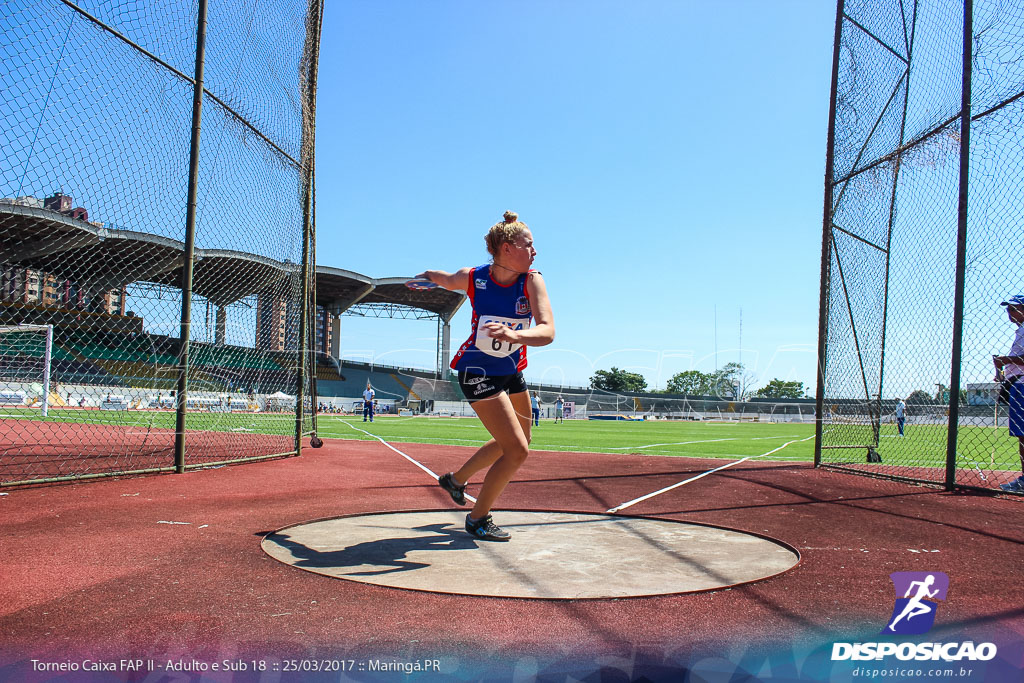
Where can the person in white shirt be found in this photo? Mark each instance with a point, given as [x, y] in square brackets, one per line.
[1009, 371]
[368, 403]
[901, 415]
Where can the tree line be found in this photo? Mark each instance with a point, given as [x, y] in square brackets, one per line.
[731, 380]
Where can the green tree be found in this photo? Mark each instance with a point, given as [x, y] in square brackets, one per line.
[618, 380]
[778, 388]
[728, 380]
[920, 397]
[693, 382]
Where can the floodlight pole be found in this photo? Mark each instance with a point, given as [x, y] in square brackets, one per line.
[826, 240]
[190, 241]
[961, 248]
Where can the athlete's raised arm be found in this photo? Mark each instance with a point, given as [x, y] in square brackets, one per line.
[455, 281]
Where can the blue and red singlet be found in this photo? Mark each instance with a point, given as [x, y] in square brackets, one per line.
[493, 302]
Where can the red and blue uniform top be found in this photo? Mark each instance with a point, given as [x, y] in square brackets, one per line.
[494, 302]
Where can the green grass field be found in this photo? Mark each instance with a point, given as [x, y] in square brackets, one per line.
[923, 446]
[693, 439]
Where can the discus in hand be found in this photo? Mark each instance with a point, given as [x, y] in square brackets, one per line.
[420, 284]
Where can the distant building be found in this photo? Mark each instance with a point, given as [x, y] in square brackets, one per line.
[33, 202]
[324, 330]
[31, 287]
[62, 203]
[982, 393]
[58, 202]
[276, 323]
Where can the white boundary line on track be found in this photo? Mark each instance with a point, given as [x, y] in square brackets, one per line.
[699, 476]
[414, 462]
[674, 443]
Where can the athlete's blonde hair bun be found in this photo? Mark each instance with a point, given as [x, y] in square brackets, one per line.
[504, 231]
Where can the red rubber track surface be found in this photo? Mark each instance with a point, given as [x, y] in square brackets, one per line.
[95, 569]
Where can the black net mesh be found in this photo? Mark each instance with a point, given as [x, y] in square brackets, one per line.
[94, 176]
[892, 269]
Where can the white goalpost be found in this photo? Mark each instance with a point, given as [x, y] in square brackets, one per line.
[20, 345]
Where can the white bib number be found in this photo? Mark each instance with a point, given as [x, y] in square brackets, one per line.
[497, 347]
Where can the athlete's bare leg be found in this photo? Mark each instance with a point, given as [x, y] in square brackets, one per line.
[507, 418]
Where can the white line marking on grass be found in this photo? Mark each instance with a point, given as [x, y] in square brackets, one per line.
[459, 421]
[426, 469]
[676, 443]
[699, 476]
[446, 439]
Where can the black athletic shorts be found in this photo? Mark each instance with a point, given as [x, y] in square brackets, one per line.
[478, 387]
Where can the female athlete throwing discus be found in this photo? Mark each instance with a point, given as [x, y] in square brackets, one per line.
[506, 295]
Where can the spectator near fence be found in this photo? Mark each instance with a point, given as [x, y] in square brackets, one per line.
[1009, 370]
[901, 415]
[368, 403]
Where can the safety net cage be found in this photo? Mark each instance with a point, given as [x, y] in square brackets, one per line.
[922, 248]
[156, 237]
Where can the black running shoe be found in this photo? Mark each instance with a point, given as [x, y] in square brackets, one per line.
[458, 493]
[486, 530]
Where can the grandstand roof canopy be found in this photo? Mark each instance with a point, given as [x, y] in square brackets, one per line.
[337, 290]
[105, 258]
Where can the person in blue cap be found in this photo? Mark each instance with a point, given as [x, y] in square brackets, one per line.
[1009, 371]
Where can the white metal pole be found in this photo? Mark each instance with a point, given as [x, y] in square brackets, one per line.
[46, 369]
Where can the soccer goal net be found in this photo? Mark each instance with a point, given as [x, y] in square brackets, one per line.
[25, 358]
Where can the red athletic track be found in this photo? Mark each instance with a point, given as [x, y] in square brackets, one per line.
[88, 569]
[33, 450]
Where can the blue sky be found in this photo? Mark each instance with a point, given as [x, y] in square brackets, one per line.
[667, 155]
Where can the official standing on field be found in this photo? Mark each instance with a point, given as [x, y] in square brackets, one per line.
[1010, 371]
[901, 415]
[368, 403]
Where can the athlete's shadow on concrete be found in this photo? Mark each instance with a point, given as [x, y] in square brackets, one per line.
[388, 553]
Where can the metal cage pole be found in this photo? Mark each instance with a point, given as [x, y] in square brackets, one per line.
[826, 241]
[307, 357]
[314, 439]
[190, 241]
[304, 350]
[892, 218]
[961, 248]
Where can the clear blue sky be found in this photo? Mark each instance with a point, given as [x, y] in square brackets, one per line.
[668, 156]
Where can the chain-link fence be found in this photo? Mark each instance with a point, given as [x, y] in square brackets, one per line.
[156, 217]
[922, 240]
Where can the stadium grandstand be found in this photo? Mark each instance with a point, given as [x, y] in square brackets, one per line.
[98, 352]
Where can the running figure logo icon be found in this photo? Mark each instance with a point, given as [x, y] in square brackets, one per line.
[917, 594]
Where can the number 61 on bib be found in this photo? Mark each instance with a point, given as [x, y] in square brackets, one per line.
[497, 347]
